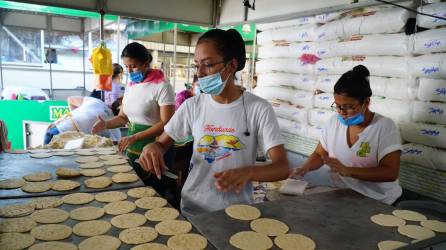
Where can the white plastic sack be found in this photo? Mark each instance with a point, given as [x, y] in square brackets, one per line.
[323, 100]
[426, 134]
[432, 89]
[389, 66]
[431, 112]
[399, 111]
[304, 82]
[314, 132]
[328, 17]
[275, 93]
[436, 9]
[376, 45]
[292, 50]
[319, 117]
[290, 112]
[395, 88]
[303, 99]
[283, 65]
[328, 49]
[388, 21]
[425, 156]
[429, 66]
[292, 127]
[326, 83]
[304, 33]
[429, 41]
[285, 24]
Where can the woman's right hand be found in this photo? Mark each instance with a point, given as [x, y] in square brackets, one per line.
[99, 125]
[152, 159]
[299, 171]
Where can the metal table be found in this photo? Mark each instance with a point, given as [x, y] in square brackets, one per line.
[334, 220]
[18, 165]
[112, 232]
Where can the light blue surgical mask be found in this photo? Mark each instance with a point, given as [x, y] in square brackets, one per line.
[212, 84]
[136, 77]
[197, 90]
[352, 121]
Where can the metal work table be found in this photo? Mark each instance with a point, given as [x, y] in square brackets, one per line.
[338, 219]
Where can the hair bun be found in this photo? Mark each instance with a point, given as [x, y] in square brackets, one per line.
[361, 70]
[237, 46]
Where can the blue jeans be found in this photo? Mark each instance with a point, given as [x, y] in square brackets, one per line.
[50, 132]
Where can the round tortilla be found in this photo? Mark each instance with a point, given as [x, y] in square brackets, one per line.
[187, 242]
[78, 198]
[92, 172]
[161, 214]
[15, 241]
[90, 165]
[50, 215]
[87, 213]
[138, 235]
[100, 242]
[65, 185]
[41, 176]
[173, 227]
[434, 225]
[98, 182]
[151, 202]
[120, 169]
[17, 210]
[294, 241]
[53, 245]
[11, 183]
[416, 232]
[390, 245]
[67, 172]
[46, 202]
[91, 228]
[124, 178]
[128, 220]
[269, 227]
[249, 240]
[110, 196]
[243, 212]
[387, 220]
[51, 232]
[86, 159]
[17, 225]
[119, 207]
[409, 215]
[36, 187]
[141, 192]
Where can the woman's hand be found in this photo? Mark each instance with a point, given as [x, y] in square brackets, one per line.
[299, 171]
[152, 159]
[336, 166]
[99, 125]
[125, 142]
[233, 179]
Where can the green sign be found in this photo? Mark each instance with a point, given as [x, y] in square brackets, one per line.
[57, 112]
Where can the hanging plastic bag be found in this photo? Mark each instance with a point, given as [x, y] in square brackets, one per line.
[101, 60]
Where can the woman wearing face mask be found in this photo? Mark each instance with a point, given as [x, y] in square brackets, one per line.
[226, 124]
[358, 149]
[148, 104]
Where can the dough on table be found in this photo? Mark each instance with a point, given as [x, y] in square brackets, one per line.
[120, 169]
[161, 214]
[37, 187]
[150, 202]
[124, 178]
[387, 220]
[416, 232]
[11, 183]
[138, 235]
[53, 245]
[269, 227]
[173, 227]
[390, 245]
[87, 213]
[65, 185]
[91, 228]
[17, 225]
[51, 232]
[434, 225]
[15, 241]
[50, 215]
[41, 176]
[67, 172]
[46, 202]
[78, 198]
[187, 242]
[98, 182]
[100, 242]
[110, 196]
[17, 210]
[243, 212]
[249, 240]
[128, 220]
[119, 207]
[141, 192]
[92, 172]
[409, 215]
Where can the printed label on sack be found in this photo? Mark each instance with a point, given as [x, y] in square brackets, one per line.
[436, 111]
[440, 91]
[430, 70]
[411, 151]
[432, 44]
[430, 132]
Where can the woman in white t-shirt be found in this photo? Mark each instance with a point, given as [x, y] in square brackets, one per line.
[226, 124]
[358, 149]
[148, 104]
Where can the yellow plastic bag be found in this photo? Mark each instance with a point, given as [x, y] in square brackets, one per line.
[101, 59]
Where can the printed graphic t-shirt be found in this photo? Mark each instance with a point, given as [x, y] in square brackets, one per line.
[220, 144]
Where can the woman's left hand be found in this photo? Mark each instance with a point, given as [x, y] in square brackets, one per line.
[125, 142]
[336, 166]
[233, 179]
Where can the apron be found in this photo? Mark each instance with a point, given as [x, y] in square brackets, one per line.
[134, 150]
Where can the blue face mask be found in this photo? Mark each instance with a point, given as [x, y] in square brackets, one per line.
[212, 84]
[136, 77]
[197, 90]
[352, 121]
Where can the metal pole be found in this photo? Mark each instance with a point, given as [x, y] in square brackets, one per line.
[83, 54]
[188, 60]
[174, 55]
[102, 35]
[1, 59]
[164, 54]
[49, 27]
[253, 58]
[119, 40]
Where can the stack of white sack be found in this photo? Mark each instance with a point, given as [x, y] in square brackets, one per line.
[426, 134]
[429, 66]
[430, 112]
[429, 41]
[319, 117]
[387, 66]
[292, 127]
[275, 93]
[326, 83]
[290, 112]
[289, 50]
[287, 65]
[432, 90]
[397, 110]
[303, 33]
[425, 156]
[303, 82]
[387, 21]
[436, 9]
[314, 132]
[285, 24]
[323, 100]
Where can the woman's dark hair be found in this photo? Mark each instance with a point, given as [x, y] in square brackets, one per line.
[117, 69]
[229, 43]
[354, 83]
[138, 52]
[96, 94]
[116, 105]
